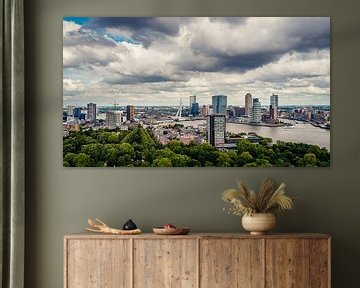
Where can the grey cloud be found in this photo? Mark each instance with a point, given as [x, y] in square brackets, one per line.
[87, 61]
[246, 62]
[136, 79]
[226, 63]
[321, 82]
[72, 93]
[293, 76]
[296, 34]
[308, 32]
[86, 37]
[143, 29]
[229, 20]
[166, 25]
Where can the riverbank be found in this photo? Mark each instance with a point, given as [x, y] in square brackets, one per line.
[282, 124]
[301, 132]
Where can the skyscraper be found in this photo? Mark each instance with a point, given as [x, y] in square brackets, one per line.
[219, 103]
[194, 106]
[274, 103]
[130, 112]
[192, 100]
[77, 112]
[91, 112]
[113, 118]
[194, 109]
[70, 110]
[248, 104]
[216, 126]
[256, 111]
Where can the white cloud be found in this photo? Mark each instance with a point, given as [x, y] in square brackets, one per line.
[73, 85]
[205, 57]
[69, 26]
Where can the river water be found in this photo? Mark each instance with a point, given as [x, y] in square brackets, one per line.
[300, 133]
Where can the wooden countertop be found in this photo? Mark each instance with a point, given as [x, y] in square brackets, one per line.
[87, 235]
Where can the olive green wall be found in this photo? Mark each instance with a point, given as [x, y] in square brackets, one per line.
[59, 200]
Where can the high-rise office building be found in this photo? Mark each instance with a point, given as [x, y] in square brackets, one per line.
[248, 104]
[113, 119]
[271, 113]
[91, 112]
[130, 112]
[194, 106]
[77, 112]
[219, 103]
[256, 111]
[192, 100]
[70, 110]
[216, 127]
[274, 103]
[194, 109]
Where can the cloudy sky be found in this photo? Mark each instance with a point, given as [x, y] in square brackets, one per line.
[157, 61]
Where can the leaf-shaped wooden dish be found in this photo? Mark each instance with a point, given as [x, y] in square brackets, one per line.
[171, 231]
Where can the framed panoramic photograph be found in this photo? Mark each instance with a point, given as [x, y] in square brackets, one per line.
[196, 91]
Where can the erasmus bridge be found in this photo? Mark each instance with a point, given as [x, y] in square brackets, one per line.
[179, 112]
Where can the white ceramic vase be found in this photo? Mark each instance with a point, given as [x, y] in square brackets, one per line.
[259, 223]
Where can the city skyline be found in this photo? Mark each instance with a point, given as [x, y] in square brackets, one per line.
[263, 105]
[157, 61]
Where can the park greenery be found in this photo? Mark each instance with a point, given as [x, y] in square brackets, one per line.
[138, 148]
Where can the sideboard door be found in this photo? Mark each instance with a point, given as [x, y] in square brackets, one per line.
[231, 263]
[320, 263]
[297, 263]
[165, 263]
[287, 263]
[100, 263]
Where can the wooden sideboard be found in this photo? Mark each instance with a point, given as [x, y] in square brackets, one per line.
[197, 260]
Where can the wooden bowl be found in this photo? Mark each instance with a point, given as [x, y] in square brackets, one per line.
[171, 231]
